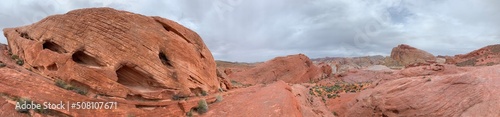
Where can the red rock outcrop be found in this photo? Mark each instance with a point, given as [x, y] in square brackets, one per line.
[291, 69]
[470, 93]
[405, 55]
[141, 62]
[486, 56]
[117, 53]
[273, 100]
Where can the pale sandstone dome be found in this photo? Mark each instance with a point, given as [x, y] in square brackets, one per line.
[117, 53]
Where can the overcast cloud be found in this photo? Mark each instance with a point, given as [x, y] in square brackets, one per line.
[259, 30]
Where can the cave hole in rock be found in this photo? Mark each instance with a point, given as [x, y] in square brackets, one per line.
[52, 67]
[169, 28]
[53, 47]
[81, 57]
[25, 35]
[202, 56]
[136, 80]
[39, 68]
[164, 60]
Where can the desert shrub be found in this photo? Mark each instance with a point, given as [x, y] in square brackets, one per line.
[64, 85]
[204, 93]
[202, 106]
[496, 49]
[190, 113]
[176, 97]
[2, 65]
[470, 62]
[490, 64]
[335, 113]
[80, 91]
[61, 84]
[22, 101]
[332, 95]
[218, 98]
[20, 62]
[14, 57]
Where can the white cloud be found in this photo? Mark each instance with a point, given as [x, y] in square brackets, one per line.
[259, 30]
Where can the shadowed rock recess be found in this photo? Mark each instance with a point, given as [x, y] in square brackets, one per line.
[115, 55]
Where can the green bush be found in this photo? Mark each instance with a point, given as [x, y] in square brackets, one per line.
[204, 93]
[490, 63]
[64, 85]
[470, 62]
[218, 98]
[22, 101]
[189, 114]
[202, 106]
[20, 62]
[14, 57]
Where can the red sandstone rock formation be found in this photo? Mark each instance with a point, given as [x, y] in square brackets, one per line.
[405, 55]
[291, 69]
[486, 56]
[141, 62]
[275, 99]
[471, 93]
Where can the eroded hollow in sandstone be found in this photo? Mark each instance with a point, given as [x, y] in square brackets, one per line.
[81, 57]
[164, 60]
[52, 67]
[135, 79]
[53, 47]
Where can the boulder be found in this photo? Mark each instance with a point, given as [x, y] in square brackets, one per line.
[404, 55]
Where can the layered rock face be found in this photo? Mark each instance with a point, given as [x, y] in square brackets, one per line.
[117, 54]
[405, 55]
[473, 93]
[273, 100]
[291, 69]
[486, 56]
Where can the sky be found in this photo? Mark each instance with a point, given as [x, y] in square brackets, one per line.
[259, 30]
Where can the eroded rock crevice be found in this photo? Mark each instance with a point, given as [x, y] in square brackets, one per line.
[53, 47]
[52, 67]
[24, 35]
[169, 28]
[164, 60]
[136, 80]
[83, 58]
